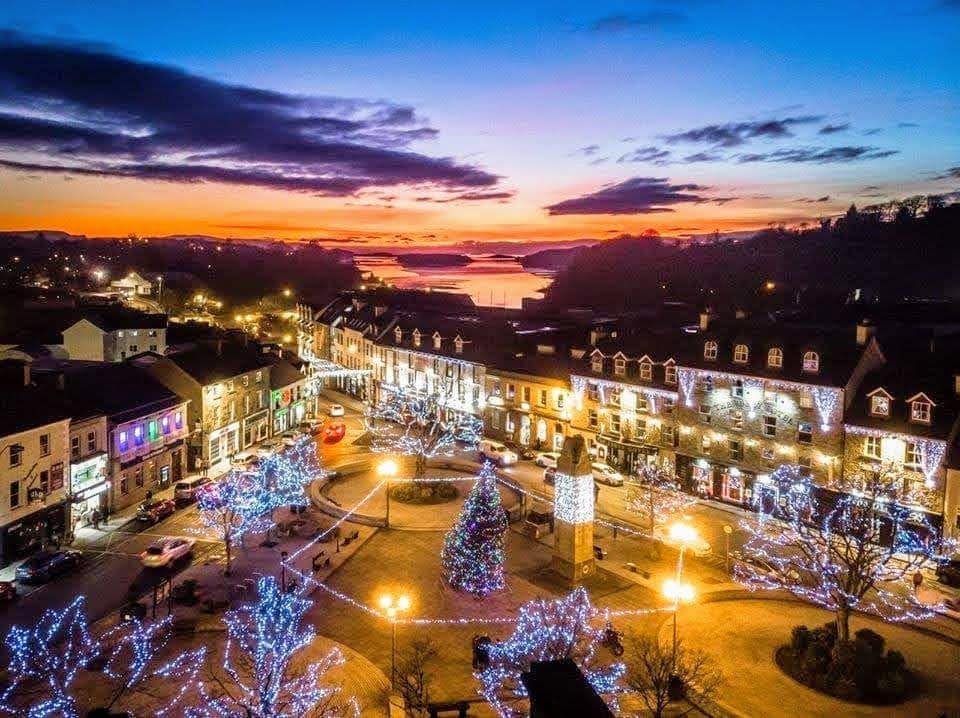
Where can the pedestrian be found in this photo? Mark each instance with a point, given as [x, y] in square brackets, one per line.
[95, 519]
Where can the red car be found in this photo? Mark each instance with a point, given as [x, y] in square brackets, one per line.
[8, 592]
[156, 511]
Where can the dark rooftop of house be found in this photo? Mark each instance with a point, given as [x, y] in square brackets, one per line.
[210, 362]
[46, 326]
[283, 374]
[26, 406]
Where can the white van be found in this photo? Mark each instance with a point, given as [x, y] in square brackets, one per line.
[497, 453]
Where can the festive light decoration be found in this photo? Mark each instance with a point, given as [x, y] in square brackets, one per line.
[286, 475]
[580, 383]
[184, 671]
[238, 504]
[425, 426]
[573, 498]
[472, 554]
[568, 627]
[49, 655]
[326, 369]
[688, 383]
[856, 553]
[266, 636]
[136, 644]
[826, 400]
[656, 495]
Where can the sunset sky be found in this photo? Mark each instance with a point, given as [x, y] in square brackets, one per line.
[415, 124]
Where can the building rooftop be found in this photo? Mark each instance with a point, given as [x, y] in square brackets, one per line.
[209, 363]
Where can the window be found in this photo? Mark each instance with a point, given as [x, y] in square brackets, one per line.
[416, 337]
[619, 366]
[806, 400]
[769, 426]
[736, 449]
[138, 435]
[871, 447]
[258, 377]
[880, 405]
[525, 393]
[596, 364]
[397, 335]
[767, 453]
[437, 341]
[643, 404]
[736, 420]
[44, 444]
[741, 354]
[913, 454]
[495, 419]
[646, 371]
[804, 461]
[811, 362]
[670, 374]
[14, 494]
[736, 388]
[44, 482]
[705, 443]
[542, 399]
[775, 358]
[710, 351]
[511, 391]
[805, 432]
[120, 334]
[245, 380]
[178, 419]
[124, 485]
[641, 432]
[74, 447]
[615, 423]
[593, 392]
[669, 436]
[91, 441]
[592, 419]
[153, 347]
[123, 441]
[615, 397]
[561, 399]
[704, 411]
[920, 411]
[138, 477]
[134, 348]
[458, 345]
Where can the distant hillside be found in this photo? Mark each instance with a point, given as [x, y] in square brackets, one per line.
[889, 252]
[433, 260]
[550, 259]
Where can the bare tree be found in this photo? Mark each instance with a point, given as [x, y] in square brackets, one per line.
[413, 675]
[423, 425]
[653, 671]
[655, 496]
[857, 553]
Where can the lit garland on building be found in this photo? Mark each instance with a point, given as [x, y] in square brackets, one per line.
[857, 554]
[266, 636]
[472, 554]
[651, 394]
[932, 451]
[568, 627]
[50, 654]
[326, 369]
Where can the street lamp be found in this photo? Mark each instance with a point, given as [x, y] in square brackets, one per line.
[678, 592]
[392, 606]
[387, 469]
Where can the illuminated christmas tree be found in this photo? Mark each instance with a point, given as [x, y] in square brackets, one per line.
[472, 554]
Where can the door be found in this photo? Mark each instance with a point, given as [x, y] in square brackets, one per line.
[176, 465]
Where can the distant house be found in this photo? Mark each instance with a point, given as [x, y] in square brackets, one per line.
[133, 285]
[114, 335]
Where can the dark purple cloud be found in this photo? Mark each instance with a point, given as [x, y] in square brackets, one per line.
[639, 195]
[650, 19]
[834, 129]
[646, 154]
[501, 195]
[734, 134]
[818, 155]
[86, 111]
[814, 200]
[951, 173]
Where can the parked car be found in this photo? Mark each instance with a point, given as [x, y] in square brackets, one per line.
[311, 427]
[167, 551]
[700, 547]
[523, 452]
[336, 410]
[156, 511]
[43, 566]
[245, 458]
[185, 492]
[547, 459]
[550, 475]
[763, 568]
[949, 572]
[497, 453]
[8, 591]
[269, 448]
[606, 474]
[289, 438]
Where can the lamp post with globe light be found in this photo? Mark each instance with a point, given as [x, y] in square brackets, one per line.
[392, 607]
[387, 469]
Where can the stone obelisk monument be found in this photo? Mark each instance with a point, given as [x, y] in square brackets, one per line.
[573, 513]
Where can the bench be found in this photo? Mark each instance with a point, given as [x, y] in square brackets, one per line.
[633, 568]
[461, 707]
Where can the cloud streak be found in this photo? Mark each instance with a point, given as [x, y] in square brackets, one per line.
[81, 110]
[638, 195]
[735, 134]
[623, 22]
[818, 155]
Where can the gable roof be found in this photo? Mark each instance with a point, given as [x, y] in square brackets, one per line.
[209, 363]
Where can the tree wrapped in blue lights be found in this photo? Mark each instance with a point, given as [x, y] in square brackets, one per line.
[424, 425]
[263, 639]
[855, 553]
[472, 554]
[45, 660]
[239, 504]
[568, 627]
[287, 474]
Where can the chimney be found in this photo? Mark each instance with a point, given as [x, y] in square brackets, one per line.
[740, 314]
[865, 330]
[705, 319]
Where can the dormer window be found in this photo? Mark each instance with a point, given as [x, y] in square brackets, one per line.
[436, 340]
[880, 405]
[710, 351]
[458, 345]
[620, 366]
[397, 335]
[775, 358]
[811, 362]
[920, 411]
[596, 363]
[670, 373]
[646, 371]
[416, 337]
[741, 353]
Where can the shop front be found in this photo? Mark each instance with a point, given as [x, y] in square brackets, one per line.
[628, 457]
[256, 428]
[716, 481]
[88, 490]
[26, 536]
